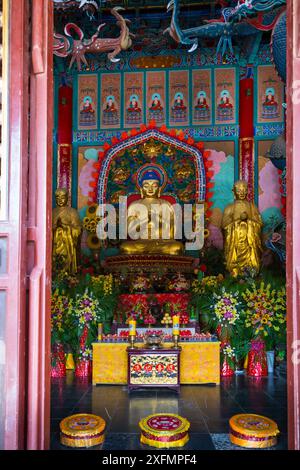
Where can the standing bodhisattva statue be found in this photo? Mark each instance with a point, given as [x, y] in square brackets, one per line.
[242, 225]
[66, 228]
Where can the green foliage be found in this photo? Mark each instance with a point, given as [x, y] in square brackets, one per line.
[69, 315]
[207, 292]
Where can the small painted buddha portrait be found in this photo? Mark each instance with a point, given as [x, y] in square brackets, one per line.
[201, 101]
[201, 109]
[134, 104]
[134, 111]
[87, 106]
[156, 110]
[110, 105]
[270, 105]
[110, 111]
[156, 103]
[179, 109]
[87, 112]
[225, 107]
[225, 100]
[179, 101]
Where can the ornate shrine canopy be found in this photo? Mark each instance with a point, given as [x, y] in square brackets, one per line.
[141, 138]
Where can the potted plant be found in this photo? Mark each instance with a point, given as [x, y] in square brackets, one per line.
[240, 341]
[228, 359]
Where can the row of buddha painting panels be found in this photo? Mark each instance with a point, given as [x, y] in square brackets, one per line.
[177, 98]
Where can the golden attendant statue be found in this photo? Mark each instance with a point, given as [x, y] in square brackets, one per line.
[66, 229]
[242, 232]
[139, 219]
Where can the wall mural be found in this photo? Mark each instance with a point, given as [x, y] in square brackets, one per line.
[133, 99]
[156, 97]
[270, 95]
[110, 101]
[225, 97]
[223, 179]
[179, 97]
[269, 185]
[202, 107]
[88, 101]
[87, 156]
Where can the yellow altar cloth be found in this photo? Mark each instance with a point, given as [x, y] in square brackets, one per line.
[199, 362]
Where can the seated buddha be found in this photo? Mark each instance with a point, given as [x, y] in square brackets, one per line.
[151, 220]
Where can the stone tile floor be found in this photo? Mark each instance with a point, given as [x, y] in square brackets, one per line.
[208, 408]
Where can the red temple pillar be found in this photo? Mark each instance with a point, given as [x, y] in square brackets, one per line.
[64, 138]
[246, 143]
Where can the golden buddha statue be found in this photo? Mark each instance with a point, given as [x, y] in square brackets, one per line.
[242, 225]
[140, 221]
[66, 229]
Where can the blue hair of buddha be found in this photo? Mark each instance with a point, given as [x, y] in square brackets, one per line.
[150, 175]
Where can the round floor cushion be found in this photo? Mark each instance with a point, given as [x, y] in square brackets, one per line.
[164, 430]
[82, 430]
[253, 431]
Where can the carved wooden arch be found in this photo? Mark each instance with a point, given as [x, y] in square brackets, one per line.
[142, 137]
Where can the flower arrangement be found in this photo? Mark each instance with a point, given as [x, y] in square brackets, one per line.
[86, 310]
[138, 312]
[106, 289]
[60, 310]
[228, 355]
[149, 319]
[183, 318]
[104, 283]
[85, 354]
[265, 310]
[199, 286]
[226, 309]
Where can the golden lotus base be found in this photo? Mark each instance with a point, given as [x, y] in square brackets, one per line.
[253, 431]
[164, 431]
[82, 430]
[150, 263]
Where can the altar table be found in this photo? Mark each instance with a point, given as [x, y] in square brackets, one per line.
[199, 362]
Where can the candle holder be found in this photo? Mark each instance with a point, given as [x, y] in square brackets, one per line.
[132, 341]
[100, 331]
[176, 339]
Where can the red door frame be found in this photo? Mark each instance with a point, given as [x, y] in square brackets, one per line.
[28, 228]
[14, 229]
[39, 225]
[293, 223]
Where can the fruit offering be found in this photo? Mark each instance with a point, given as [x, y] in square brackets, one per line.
[167, 319]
